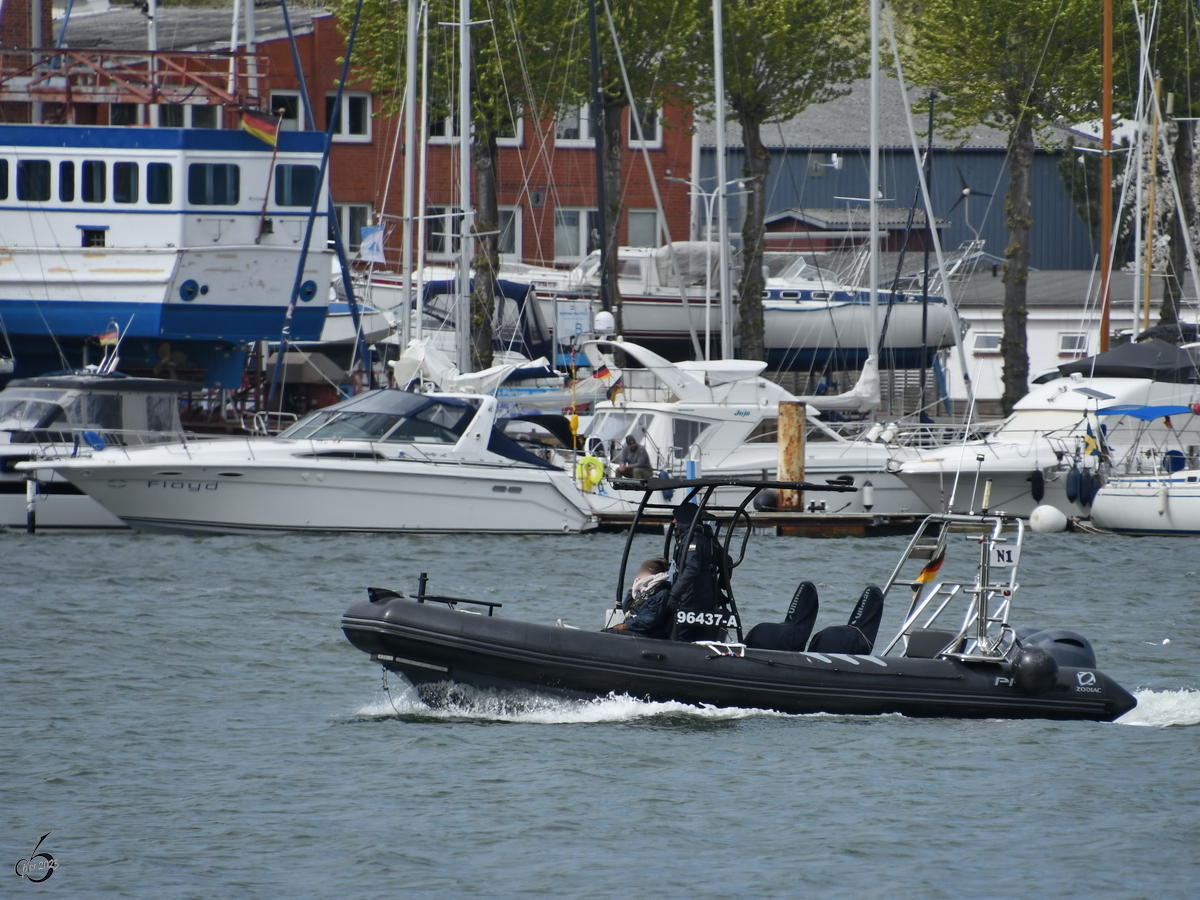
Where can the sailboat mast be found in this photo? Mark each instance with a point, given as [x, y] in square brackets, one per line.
[873, 195]
[410, 140]
[462, 316]
[1106, 179]
[598, 130]
[722, 178]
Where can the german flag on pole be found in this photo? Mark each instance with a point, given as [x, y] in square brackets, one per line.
[263, 125]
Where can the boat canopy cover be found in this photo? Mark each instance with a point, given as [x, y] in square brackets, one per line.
[1147, 413]
[1153, 359]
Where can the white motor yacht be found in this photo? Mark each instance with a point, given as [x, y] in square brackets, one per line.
[60, 416]
[383, 461]
[1054, 440]
[720, 415]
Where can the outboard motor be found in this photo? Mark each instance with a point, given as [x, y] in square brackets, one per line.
[792, 634]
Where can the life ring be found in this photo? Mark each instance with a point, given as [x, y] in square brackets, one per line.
[589, 470]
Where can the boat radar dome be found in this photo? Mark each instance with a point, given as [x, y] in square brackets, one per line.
[604, 324]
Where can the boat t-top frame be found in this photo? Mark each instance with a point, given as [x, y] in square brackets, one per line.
[984, 634]
[725, 519]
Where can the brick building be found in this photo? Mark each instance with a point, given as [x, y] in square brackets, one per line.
[546, 174]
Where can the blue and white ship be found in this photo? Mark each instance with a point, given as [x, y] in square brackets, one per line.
[185, 241]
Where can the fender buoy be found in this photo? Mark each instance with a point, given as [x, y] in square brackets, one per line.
[1088, 485]
[1037, 485]
[1073, 484]
[589, 470]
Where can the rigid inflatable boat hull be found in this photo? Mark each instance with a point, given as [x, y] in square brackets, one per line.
[431, 645]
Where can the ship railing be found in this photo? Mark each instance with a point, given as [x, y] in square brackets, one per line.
[983, 633]
[78, 75]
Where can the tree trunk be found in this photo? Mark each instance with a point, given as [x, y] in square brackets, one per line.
[614, 154]
[750, 289]
[486, 263]
[1017, 202]
[1177, 260]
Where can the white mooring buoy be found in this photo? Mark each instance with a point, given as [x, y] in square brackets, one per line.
[1047, 519]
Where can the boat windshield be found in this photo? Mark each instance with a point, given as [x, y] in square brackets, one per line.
[435, 423]
[614, 426]
[30, 408]
[21, 412]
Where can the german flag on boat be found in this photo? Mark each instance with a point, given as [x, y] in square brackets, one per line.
[263, 125]
[930, 571]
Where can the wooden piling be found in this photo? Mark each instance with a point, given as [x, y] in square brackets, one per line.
[791, 452]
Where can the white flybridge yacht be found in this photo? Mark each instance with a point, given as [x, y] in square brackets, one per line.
[720, 414]
[1048, 450]
[383, 461]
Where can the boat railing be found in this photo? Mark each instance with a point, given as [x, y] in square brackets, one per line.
[983, 633]
[61, 443]
[265, 423]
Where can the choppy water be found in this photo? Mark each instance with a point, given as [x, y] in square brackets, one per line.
[186, 718]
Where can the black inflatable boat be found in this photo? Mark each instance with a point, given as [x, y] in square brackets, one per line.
[955, 655]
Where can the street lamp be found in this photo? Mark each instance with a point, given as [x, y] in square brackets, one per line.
[709, 197]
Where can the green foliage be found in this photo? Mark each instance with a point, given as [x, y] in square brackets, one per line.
[783, 55]
[999, 61]
[520, 49]
[1174, 43]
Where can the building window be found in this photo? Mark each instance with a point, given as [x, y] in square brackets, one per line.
[170, 115]
[510, 232]
[205, 117]
[987, 344]
[573, 125]
[443, 130]
[353, 121]
[159, 182]
[213, 184]
[651, 127]
[66, 181]
[33, 180]
[122, 114]
[286, 105]
[351, 219]
[3, 179]
[125, 182]
[441, 230]
[511, 132]
[576, 233]
[1072, 345]
[91, 187]
[295, 185]
[643, 228]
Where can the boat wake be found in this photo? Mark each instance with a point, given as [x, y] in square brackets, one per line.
[1163, 708]
[457, 703]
